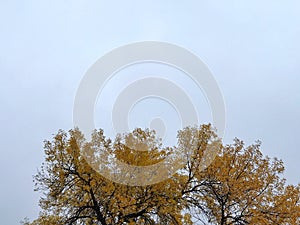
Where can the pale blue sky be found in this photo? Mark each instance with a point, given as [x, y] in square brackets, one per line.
[252, 48]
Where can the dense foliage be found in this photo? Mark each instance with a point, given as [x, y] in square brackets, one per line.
[240, 186]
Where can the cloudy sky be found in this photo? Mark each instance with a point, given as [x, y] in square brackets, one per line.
[251, 47]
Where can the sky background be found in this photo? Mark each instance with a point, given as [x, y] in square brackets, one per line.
[251, 47]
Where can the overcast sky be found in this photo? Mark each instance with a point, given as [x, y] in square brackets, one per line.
[251, 47]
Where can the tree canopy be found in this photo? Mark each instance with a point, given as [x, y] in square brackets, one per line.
[235, 185]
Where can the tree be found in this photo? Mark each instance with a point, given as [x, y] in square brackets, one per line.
[240, 186]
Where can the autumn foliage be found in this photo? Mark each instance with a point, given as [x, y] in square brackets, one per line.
[239, 186]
